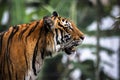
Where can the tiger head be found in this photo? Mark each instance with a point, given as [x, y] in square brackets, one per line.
[66, 35]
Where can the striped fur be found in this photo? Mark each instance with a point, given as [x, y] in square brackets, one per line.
[24, 47]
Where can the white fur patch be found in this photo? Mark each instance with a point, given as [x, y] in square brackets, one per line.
[30, 76]
[57, 47]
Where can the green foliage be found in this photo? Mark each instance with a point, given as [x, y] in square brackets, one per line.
[17, 12]
[82, 12]
[3, 6]
[87, 68]
[84, 19]
[52, 69]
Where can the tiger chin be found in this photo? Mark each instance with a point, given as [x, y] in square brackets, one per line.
[24, 47]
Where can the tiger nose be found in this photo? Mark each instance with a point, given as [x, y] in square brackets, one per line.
[82, 37]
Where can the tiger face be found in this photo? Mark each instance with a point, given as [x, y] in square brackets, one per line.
[66, 35]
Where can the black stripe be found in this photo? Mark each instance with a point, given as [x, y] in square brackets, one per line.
[35, 53]
[22, 32]
[60, 25]
[26, 58]
[16, 76]
[34, 58]
[8, 66]
[3, 67]
[7, 53]
[61, 32]
[65, 28]
[6, 62]
[24, 77]
[15, 29]
[59, 18]
[2, 71]
[1, 39]
[33, 28]
[48, 53]
[42, 31]
[56, 32]
[42, 53]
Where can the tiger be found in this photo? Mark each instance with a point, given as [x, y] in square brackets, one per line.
[24, 47]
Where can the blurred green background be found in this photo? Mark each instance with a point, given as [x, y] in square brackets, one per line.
[98, 58]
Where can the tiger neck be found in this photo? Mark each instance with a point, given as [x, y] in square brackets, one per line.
[45, 46]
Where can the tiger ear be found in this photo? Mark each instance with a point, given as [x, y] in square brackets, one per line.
[48, 23]
[55, 14]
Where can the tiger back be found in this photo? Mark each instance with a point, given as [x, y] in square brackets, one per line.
[24, 47]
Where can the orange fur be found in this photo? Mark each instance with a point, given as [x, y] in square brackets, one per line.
[24, 47]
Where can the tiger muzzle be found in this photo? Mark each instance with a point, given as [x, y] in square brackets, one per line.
[71, 47]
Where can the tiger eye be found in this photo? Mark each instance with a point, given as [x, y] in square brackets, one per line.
[66, 21]
[63, 20]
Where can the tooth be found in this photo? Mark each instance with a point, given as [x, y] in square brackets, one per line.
[73, 48]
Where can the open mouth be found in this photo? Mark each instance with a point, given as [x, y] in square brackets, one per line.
[71, 49]
[70, 46]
